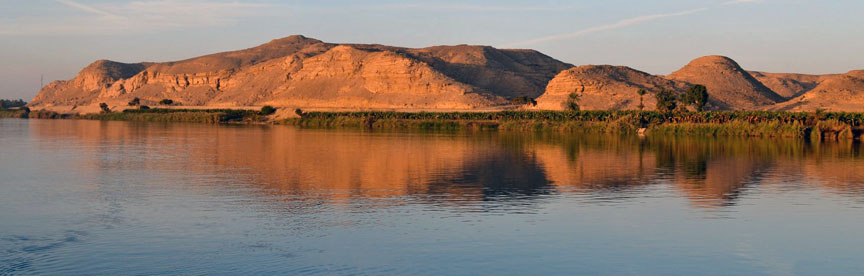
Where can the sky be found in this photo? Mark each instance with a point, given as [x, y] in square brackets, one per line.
[54, 39]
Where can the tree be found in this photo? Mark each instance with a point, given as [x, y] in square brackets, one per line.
[104, 108]
[135, 101]
[641, 93]
[666, 100]
[166, 102]
[572, 102]
[12, 103]
[696, 96]
[267, 110]
[523, 100]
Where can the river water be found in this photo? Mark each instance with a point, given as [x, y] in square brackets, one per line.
[125, 198]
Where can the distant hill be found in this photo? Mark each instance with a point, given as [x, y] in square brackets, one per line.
[730, 87]
[839, 92]
[302, 72]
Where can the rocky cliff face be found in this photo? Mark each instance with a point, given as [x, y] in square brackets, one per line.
[301, 72]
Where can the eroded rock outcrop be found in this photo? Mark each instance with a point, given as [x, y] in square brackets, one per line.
[729, 86]
[604, 87]
[302, 72]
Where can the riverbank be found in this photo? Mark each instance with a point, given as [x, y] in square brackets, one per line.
[819, 125]
[809, 125]
[208, 116]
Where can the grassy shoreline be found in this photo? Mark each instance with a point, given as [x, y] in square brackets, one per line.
[808, 125]
[818, 125]
[207, 116]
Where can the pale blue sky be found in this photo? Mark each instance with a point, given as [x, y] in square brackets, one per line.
[59, 37]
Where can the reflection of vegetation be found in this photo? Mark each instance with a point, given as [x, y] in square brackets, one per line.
[711, 171]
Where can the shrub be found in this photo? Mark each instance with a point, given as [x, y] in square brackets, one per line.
[12, 103]
[696, 96]
[166, 102]
[144, 107]
[523, 100]
[104, 108]
[135, 101]
[299, 112]
[666, 100]
[572, 102]
[267, 110]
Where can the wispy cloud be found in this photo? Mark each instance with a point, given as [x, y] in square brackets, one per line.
[86, 8]
[740, 2]
[620, 24]
[466, 7]
[138, 16]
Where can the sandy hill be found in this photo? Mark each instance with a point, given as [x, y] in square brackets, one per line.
[841, 92]
[604, 87]
[729, 86]
[302, 72]
[297, 71]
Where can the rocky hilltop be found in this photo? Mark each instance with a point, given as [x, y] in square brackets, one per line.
[604, 87]
[302, 72]
[730, 87]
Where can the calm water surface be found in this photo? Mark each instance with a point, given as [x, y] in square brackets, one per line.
[121, 198]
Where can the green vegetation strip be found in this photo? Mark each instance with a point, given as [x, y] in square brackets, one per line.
[717, 123]
[210, 116]
[811, 125]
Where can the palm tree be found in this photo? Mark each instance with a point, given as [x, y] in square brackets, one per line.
[641, 93]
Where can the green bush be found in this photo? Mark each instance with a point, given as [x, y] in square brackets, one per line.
[12, 103]
[572, 103]
[166, 102]
[134, 102]
[696, 96]
[523, 100]
[666, 100]
[104, 108]
[267, 110]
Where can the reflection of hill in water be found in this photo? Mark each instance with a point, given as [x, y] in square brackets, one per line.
[461, 168]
